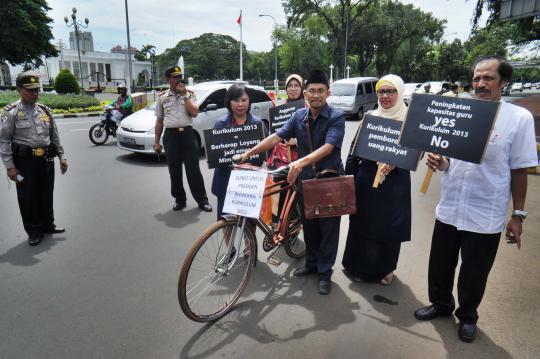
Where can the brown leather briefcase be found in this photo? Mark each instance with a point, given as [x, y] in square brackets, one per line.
[329, 197]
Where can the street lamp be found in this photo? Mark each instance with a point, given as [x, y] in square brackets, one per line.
[76, 24]
[276, 82]
[331, 67]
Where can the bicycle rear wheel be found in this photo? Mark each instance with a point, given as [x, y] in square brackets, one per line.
[215, 273]
[295, 247]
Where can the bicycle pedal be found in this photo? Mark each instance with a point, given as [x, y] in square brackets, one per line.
[274, 261]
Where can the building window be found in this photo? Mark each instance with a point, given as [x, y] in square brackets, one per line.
[108, 72]
[85, 69]
[101, 71]
[76, 72]
[93, 71]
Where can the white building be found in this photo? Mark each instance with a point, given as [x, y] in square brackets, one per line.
[112, 68]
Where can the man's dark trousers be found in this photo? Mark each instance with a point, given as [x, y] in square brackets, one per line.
[35, 193]
[180, 147]
[478, 253]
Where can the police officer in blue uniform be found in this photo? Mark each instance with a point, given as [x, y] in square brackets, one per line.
[29, 142]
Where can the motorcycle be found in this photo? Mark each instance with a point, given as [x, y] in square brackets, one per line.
[100, 132]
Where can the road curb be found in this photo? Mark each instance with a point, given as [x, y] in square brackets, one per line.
[75, 115]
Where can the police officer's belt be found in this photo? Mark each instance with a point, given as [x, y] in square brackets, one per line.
[177, 129]
[22, 151]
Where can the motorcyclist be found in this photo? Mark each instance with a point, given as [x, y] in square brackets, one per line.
[122, 106]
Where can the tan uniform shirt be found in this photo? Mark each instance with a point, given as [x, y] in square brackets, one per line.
[26, 125]
[172, 108]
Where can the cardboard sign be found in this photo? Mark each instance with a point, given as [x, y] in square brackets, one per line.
[223, 143]
[450, 126]
[281, 114]
[245, 193]
[378, 141]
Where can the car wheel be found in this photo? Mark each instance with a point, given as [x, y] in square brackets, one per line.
[360, 114]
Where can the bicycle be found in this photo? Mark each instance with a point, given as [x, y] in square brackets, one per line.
[217, 268]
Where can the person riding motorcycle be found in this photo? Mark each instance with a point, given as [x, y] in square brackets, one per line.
[122, 106]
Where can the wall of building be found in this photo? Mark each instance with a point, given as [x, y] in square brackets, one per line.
[111, 66]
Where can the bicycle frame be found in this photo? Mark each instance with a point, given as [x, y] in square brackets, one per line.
[279, 234]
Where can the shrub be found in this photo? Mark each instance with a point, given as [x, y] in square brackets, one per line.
[65, 82]
[63, 102]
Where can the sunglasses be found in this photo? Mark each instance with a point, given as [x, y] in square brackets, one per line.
[388, 92]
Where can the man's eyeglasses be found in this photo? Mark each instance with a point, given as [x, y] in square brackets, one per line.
[319, 92]
[388, 92]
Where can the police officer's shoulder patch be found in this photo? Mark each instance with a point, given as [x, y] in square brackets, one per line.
[4, 118]
[10, 107]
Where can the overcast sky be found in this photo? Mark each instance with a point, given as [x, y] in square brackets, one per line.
[165, 22]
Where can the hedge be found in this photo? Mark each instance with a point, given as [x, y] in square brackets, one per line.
[63, 102]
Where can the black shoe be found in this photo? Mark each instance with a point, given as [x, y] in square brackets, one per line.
[467, 332]
[302, 271]
[430, 312]
[34, 239]
[324, 287]
[205, 207]
[178, 206]
[55, 230]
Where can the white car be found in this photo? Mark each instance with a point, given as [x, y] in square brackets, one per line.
[136, 132]
[410, 88]
[518, 86]
[527, 86]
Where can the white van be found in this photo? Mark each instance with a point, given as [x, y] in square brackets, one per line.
[354, 96]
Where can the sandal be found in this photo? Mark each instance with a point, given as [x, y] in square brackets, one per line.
[387, 280]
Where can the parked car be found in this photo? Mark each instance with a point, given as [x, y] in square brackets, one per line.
[354, 96]
[410, 88]
[527, 86]
[518, 86]
[137, 133]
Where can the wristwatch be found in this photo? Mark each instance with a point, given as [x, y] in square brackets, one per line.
[519, 213]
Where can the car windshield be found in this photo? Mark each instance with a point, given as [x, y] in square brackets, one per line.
[409, 88]
[198, 93]
[343, 89]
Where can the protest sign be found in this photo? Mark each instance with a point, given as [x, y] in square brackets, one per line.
[281, 114]
[450, 126]
[245, 193]
[377, 140]
[223, 143]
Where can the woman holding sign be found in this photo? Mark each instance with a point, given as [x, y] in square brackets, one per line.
[383, 219]
[238, 104]
[286, 152]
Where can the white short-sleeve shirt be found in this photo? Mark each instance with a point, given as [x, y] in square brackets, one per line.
[475, 197]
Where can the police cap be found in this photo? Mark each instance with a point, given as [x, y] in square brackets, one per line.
[173, 71]
[28, 80]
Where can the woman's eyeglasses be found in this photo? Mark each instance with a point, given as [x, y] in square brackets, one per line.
[388, 92]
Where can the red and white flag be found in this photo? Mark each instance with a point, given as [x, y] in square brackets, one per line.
[239, 20]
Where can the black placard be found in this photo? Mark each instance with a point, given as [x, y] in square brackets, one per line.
[378, 141]
[223, 143]
[280, 114]
[451, 126]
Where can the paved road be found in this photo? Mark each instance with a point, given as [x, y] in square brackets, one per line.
[107, 287]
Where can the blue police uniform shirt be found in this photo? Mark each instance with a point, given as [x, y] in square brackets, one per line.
[328, 128]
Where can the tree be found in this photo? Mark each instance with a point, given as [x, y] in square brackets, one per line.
[336, 15]
[527, 29]
[207, 57]
[65, 82]
[26, 33]
[144, 52]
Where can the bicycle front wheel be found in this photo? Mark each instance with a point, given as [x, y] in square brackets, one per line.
[215, 271]
[294, 246]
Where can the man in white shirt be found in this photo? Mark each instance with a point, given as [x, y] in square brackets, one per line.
[472, 210]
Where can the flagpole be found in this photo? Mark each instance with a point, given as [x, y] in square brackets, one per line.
[241, 61]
